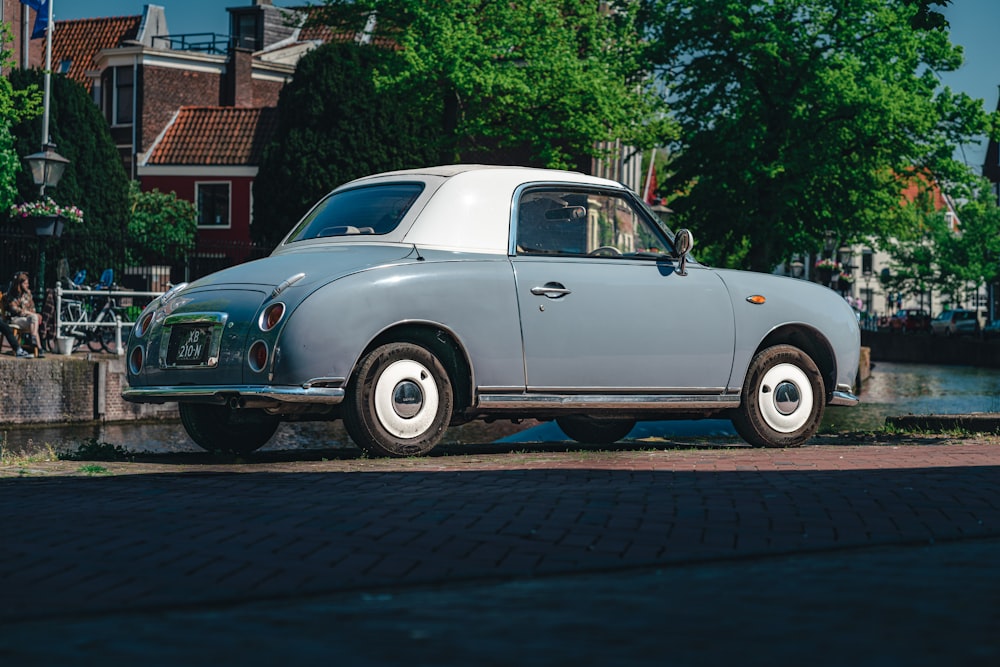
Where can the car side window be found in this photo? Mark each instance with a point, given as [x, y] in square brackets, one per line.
[578, 223]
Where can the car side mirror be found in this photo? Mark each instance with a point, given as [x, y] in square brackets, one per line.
[683, 242]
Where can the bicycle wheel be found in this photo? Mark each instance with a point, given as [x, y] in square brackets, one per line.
[102, 338]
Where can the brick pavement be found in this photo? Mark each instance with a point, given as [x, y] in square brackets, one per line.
[218, 534]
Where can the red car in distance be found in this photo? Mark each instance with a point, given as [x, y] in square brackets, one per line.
[909, 320]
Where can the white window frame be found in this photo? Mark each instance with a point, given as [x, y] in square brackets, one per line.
[114, 95]
[229, 203]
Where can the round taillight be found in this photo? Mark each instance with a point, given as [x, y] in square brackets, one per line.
[271, 316]
[257, 358]
[135, 360]
[144, 323]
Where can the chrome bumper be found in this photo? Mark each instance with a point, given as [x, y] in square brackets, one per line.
[843, 396]
[224, 393]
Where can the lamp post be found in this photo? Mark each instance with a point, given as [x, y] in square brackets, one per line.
[46, 166]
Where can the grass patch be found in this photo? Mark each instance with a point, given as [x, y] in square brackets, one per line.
[94, 450]
[93, 469]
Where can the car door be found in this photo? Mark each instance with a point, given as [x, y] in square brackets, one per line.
[603, 308]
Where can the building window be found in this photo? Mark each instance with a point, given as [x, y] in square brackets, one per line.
[245, 33]
[123, 87]
[213, 204]
[867, 259]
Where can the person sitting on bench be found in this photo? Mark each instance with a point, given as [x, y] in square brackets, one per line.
[20, 308]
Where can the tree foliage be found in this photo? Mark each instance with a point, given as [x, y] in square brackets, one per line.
[94, 179]
[537, 82]
[15, 106]
[334, 126]
[803, 117]
[161, 226]
[955, 261]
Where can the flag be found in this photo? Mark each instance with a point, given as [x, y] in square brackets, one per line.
[41, 8]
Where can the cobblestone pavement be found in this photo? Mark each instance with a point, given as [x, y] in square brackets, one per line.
[841, 552]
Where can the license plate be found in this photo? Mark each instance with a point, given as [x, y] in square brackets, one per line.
[189, 346]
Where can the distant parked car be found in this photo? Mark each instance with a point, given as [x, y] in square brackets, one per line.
[955, 323]
[992, 329]
[910, 319]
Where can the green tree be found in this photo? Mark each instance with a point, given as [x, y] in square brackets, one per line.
[805, 117]
[161, 227]
[334, 126]
[94, 179]
[966, 255]
[15, 106]
[538, 82]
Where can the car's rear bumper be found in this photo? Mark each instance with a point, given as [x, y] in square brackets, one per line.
[245, 395]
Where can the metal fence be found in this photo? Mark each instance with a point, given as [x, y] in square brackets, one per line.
[133, 267]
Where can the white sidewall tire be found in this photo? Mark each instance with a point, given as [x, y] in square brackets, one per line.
[782, 373]
[402, 371]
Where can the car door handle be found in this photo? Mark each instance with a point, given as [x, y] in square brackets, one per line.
[551, 290]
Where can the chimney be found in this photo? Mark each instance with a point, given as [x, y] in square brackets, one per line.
[239, 78]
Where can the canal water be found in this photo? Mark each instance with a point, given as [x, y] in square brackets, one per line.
[894, 389]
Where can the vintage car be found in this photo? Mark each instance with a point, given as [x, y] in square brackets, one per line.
[409, 301]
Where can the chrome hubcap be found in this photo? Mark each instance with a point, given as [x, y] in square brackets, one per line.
[786, 398]
[407, 399]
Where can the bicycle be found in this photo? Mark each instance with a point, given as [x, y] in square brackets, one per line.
[81, 320]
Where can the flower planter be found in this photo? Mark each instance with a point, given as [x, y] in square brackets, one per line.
[48, 225]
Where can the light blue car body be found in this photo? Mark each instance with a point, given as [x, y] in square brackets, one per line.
[626, 337]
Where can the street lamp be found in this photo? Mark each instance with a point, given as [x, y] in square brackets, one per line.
[844, 256]
[46, 166]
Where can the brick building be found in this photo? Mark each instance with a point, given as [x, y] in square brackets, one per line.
[162, 92]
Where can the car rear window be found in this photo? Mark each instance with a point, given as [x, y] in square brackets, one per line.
[375, 209]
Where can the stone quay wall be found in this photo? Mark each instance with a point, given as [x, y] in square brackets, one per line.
[67, 389]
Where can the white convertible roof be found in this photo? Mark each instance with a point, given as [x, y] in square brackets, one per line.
[471, 210]
[465, 207]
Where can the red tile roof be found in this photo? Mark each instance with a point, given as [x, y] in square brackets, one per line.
[215, 136]
[78, 41]
[312, 31]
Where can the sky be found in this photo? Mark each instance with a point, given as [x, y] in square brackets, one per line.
[974, 26]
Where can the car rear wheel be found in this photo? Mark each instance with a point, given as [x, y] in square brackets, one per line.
[399, 401]
[588, 430]
[219, 428]
[782, 403]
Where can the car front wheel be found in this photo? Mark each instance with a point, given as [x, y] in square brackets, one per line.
[399, 401]
[782, 402]
[219, 428]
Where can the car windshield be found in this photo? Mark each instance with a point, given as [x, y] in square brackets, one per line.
[376, 209]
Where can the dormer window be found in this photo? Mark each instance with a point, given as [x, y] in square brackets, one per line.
[246, 30]
[64, 66]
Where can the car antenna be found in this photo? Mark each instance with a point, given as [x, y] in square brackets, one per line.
[420, 257]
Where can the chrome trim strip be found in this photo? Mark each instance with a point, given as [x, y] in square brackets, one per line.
[642, 391]
[844, 398]
[324, 382]
[219, 394]
[607, 401]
